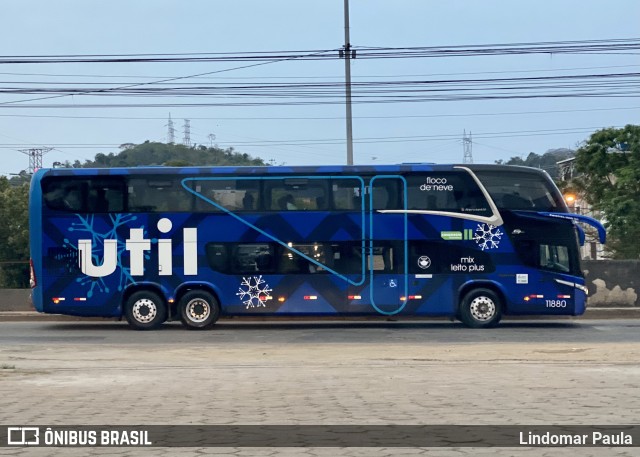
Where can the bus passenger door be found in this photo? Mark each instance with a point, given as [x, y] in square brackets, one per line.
[387, 244]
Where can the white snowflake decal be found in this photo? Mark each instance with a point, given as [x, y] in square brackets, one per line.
[487, 236]
[253, 291]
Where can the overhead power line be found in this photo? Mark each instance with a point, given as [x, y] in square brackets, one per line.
[401, 91]
[550, 47]
[289, 77]
[329, 141]
[321, 118]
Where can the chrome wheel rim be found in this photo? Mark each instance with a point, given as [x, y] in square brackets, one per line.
[144, 310]
[198, 310]
[482, 308]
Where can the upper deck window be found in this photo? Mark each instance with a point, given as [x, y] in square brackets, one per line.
[290, 194]
[455, 192]
[521, 191]
[78, 195]
[158, 194]
[231, 194]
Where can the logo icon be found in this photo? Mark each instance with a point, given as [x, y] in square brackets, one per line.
[23, 436]
[424, 262]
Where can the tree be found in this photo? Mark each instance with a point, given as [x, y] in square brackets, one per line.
[14, 233]
[609, 163]
[546, 161]
[149, 153]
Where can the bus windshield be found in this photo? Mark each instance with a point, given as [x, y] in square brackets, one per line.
[521, 191]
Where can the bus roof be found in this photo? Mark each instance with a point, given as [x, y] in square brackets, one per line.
[281, 169]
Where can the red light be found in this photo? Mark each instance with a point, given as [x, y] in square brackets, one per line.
[564, 296]
[354, 297]
[310, 297]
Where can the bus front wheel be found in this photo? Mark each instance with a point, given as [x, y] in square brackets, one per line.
[480, 308]
[145, 310]
[199, 310]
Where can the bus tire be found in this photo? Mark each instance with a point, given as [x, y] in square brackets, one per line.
[199, 310]
[145, 310]
[480, 308]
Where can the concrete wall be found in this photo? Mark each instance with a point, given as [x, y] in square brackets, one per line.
[611, 283]
[15, 300]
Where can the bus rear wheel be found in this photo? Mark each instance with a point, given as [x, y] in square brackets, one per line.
[199, 310]
[480, 308]
[145, 310]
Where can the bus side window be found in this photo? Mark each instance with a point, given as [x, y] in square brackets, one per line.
[380, 198]
[385, 194]
[252, 258]
[217, 257]
[106, 196]
[293, 194]
[249, 201]
[64, 195]
[73, 199]
[347, 194]
[158, 195]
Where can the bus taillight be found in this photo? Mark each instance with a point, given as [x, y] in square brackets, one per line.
[32, 275]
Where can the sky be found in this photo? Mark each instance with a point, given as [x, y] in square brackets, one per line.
[298, 127]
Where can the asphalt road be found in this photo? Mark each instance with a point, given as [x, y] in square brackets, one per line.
[572, 372]
[371, 333]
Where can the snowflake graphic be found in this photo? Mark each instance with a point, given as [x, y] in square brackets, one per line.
[487, 236]
[253, 291]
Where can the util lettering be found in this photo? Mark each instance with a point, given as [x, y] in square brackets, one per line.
[138, 245]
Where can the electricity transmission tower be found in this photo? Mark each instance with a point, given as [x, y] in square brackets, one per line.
[35, 158]
[186, 140]
[467, 144]
[171, 131]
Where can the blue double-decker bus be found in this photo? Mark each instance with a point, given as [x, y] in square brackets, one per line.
[155, 244]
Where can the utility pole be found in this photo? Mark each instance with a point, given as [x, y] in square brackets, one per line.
[467, 145]
[347, 74]
[35, 158]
